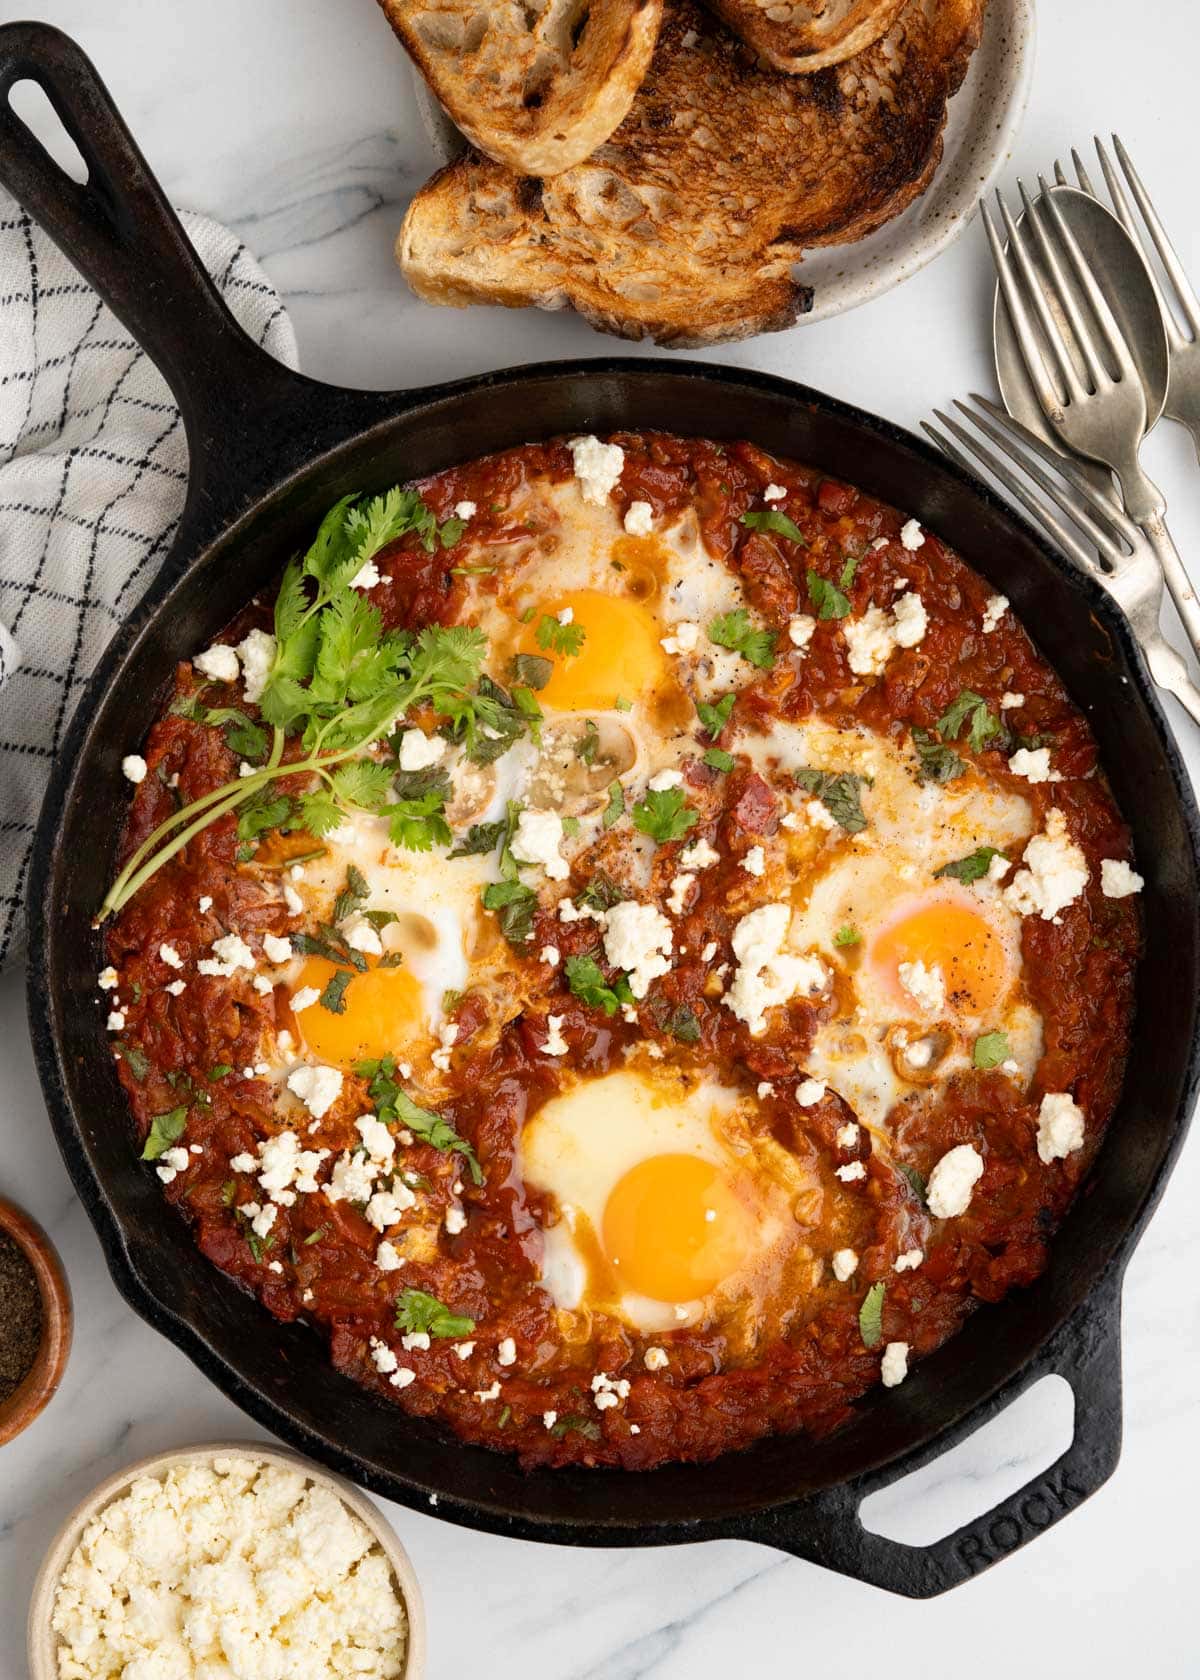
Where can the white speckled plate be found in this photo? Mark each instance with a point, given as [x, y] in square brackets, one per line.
[984, 117]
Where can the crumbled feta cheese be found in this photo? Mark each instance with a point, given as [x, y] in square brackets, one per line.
[229, 954]
[845, 1264]
[388, 1257]
[1060, 1127]
[699, 855]
[774, 493]
[537, 839]
[767, 974]
[366, 577]
[994, 610]
[304, 998]
[1034, 765]
[880, 542]
[918, 1055]
[464, 510]
[317, 1087]
[912, 536]
[387, 1207]
[608, 1391]
[506, 1353]
[664, 780]
[1053, 874]
[116, 1020]
[683, 639]
[176, 988]
[455, 1221]
[353, 1179]
[909, 1261]
[419, 751]
[483, 1395]
[655, 1359]
[464, 1350]
[550, 955]
[403, 1378]
[638, 938]
[549, 1419]
[639, 519]
[894, 1368]
[169, 955]
[998, 867]
[952, 1182]
[764, 1088]
[257, 654]
[284, 1166]
[292, 899]
[926, 986]
[382, 1356]
[597, 467]
[556, 1044]
[1009, 701]
[847, 1136]
[910, 620]
[709, 951]
[108, 979]
[818, 815]
[870, 641]
[418, 1339]
[134, 768]
[362, 935]
[681, 885]
[218, 663]
[755, 861]
[566, 615]
[809, 1092]
[848, 1174]
[800, 631]
[204, 903]
[1118, 880]
[277, 950]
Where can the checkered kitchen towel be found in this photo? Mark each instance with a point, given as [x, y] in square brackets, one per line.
[93, 469]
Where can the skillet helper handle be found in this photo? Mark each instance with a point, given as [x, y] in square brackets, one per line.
[117, 227]
[827, 1529]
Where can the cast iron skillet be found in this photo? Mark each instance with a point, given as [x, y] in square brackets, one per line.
[270, 451]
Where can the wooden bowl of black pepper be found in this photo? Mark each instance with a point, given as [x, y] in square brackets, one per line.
[35, 1320]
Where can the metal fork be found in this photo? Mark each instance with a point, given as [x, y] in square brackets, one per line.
[1107, 421]
[1094, 524]
[1183, 390]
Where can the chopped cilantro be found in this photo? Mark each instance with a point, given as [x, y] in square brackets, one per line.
[664, 814]
[220, 1071]
[713, 718]
[516, 904]
[717, 759]
[847, 936]
[682, 1023]
[973, 867]
[589, 985]
[937, 762]
[826, 597]
[916, 1182]
[870, 1315]
[165, 1130]
[970, 710]
[333, 997]
[771, 519]
[600, 893]
[531, 670]
[352, 896]
[615, 809]
[555, 637]
[589, 742]
[734, 630]
[138, 1062]
[480, 839]
[395, 1108]
[990, 1050]
[420, 1314]
[841, 795]
[623, 705]
[575, 1424]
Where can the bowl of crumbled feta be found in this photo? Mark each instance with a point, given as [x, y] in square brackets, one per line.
[236, 1560]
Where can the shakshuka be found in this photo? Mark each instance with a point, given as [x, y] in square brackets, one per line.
[632, 940]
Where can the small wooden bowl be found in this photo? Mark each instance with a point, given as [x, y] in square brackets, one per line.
[35, 1390]
[41, 1637]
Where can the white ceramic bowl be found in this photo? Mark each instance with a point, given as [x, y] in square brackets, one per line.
[983, 120]
[42, 1640]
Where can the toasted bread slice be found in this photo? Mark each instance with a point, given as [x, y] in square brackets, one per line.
[810, 35]
[535, 85]
[685, 226]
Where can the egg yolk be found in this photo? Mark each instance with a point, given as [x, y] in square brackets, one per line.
[964, 946]
[383, 1007]
[620, 656]
[673, 1228]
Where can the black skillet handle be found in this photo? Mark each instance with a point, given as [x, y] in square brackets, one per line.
[250, 421]
[826, 1528]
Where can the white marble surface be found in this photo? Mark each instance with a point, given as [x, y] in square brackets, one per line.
[292, 121]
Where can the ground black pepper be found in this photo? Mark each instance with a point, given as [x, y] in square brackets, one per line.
[20, 1316]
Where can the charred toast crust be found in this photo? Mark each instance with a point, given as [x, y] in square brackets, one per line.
[685, 226]
[815, 35]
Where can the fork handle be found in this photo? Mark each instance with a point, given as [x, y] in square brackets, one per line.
[1143, 499]
[1170, 672]
[1178, 582]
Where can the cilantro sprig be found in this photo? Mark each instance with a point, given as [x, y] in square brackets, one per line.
[841, 795]
[396, 1108]
[664, 814]
[338, 681]
[419, 1313]
[553, 636]
[829, 598]
[973, 867]
[771, 519]
[735, 631]
[588, 984]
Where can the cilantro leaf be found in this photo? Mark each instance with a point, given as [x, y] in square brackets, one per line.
[826, 597]
[847, 936]
[734, 630]
[936, 762]
[717, 759]
[840, 794]
[394, 1107]
[362, 783]
[771, 519]
[870, 1315]
[664, 814]
[589, 985]
[990, 1050]
[532, 670]
[970, 708]
[589, 743]
[973, 867]
[138, 1061]
[600, 893]
[556, 637]
[480, 839]
[916, 1181]
[573, 1423]
[713, 718]
[165, 1130]
[516, 904]
[352, 896]
[242, 735]
[333, 997]
[682, 1023]
[615, 809]
[420, 1314]
[263, 812]
[417, 825]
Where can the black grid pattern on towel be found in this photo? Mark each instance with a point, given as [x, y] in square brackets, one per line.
[93, 472]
